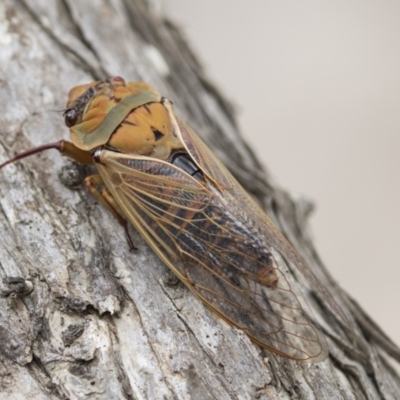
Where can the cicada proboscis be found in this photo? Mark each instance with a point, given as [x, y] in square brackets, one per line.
[156, 173]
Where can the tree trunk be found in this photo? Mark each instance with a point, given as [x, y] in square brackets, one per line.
[80, 315]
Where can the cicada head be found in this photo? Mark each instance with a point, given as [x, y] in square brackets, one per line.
[130, 118]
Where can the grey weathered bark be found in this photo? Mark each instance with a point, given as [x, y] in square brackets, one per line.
[100, 321]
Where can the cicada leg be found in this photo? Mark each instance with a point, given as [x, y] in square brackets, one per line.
[69, 150]
[65, 148]
[105, 198]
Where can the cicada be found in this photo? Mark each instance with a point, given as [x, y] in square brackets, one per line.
[156, 173]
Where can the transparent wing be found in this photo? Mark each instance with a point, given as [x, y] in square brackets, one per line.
[241, 203]
[217, 250]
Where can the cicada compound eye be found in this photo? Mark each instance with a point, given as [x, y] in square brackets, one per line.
[70, 117]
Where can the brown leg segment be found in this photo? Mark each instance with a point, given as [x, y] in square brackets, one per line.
[106, 199]
[67, 149]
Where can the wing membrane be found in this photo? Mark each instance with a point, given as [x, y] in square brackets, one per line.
[215, 249]
[239, 200]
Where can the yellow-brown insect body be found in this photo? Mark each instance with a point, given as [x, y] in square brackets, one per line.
[162, 178]
[128, 118]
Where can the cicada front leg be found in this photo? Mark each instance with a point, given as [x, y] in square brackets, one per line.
[105, 198]
[69, 150]
[65, 148]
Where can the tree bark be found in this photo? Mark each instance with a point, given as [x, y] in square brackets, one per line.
[81, 316]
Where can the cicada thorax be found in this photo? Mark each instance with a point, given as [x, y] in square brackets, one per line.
[147, 131]
[129, 118]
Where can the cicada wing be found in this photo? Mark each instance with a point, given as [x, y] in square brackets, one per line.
[238, 201]
[218, 254]
[234, 194]
[203, 157]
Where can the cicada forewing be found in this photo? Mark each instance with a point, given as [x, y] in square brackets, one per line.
[209, 232]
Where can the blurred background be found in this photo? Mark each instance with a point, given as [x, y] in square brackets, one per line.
[317, 89]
